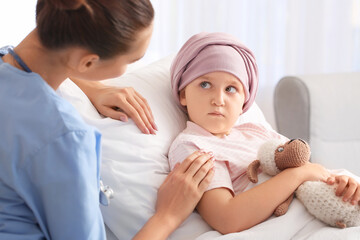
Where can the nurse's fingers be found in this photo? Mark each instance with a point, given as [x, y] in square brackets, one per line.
[203, 171]
[143, 113]
[206, 180]
[147, 108]
[112, 113]
[194, 162]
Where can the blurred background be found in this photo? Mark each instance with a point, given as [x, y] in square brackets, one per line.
[288, 37]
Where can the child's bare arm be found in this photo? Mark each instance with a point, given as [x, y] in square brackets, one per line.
[228, 214]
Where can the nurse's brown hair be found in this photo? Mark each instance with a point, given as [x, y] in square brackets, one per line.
[104, 27]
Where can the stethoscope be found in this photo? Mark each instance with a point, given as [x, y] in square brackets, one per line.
[106, 193]
[17, 58]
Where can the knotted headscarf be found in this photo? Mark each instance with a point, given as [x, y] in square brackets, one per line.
[209, 52]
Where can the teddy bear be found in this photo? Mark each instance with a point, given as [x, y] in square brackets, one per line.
[318, 197]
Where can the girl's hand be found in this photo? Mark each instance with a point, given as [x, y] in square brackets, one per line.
[121, 103]
[183, 188]
[314, 172]
[347, 187]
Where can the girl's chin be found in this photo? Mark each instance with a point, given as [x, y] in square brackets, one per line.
[219, 133]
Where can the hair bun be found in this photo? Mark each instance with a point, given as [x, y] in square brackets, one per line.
[68, 4]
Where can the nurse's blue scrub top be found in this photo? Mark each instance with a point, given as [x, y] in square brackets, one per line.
[49, 163]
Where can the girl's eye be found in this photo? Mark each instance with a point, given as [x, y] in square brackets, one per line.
[231, 89]
[205, 84]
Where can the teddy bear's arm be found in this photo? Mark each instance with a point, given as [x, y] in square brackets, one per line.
[252, 171]
[283, 207]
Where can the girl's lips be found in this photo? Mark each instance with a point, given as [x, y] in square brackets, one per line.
[216, 114]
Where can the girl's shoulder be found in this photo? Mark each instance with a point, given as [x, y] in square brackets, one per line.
[258, 129]
[252, 126]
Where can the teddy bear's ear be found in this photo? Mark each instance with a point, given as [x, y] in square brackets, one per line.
[252, 171]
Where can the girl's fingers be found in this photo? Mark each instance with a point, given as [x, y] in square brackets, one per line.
[342, 184]
[330, 180]
[356, 197]
[351, 189]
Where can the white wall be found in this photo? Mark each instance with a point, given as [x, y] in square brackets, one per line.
[17, 19]
[288, 37]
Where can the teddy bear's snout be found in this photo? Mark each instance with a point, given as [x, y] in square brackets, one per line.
[296, 152]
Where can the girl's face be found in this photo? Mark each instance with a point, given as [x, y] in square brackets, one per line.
[214, 101]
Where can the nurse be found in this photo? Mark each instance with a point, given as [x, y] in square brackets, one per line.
[49, 158]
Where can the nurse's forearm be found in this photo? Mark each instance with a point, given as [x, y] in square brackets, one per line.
[88, 87]
[157, 228]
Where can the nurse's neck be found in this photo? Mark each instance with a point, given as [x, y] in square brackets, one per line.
[49, 64]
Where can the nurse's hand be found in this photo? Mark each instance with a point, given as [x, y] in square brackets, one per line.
[120, 104]
[182, 189]
[178, 196]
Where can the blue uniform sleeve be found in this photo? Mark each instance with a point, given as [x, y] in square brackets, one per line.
[62, 182]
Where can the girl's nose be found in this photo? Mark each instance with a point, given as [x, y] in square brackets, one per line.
[218, 99]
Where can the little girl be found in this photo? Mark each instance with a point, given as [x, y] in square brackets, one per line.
[214, 79]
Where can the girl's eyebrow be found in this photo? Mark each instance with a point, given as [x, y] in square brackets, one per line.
[234, 82]
[205, 77]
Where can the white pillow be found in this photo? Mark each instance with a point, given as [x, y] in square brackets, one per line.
[135, 164]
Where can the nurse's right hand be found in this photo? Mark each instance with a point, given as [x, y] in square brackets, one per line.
[184, 186]
[178, 195]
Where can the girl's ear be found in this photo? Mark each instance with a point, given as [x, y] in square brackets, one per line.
[182, 97]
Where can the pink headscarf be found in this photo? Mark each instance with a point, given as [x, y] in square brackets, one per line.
[209, 52]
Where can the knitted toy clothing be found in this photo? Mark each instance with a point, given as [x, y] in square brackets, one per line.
[318, 197]
[320, 200]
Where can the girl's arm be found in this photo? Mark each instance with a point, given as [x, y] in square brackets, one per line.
[228, 214]
[119, 103]
[178, 196]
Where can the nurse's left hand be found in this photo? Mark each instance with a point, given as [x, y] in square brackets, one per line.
[120, 104]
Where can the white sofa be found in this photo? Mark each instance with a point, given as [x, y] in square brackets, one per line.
[324, 110]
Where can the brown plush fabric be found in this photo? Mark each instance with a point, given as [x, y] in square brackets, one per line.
[295, 154]
[252, 171]
[282, 208]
